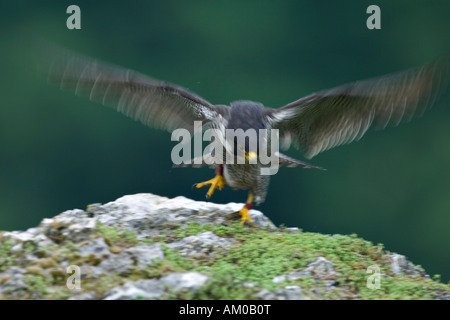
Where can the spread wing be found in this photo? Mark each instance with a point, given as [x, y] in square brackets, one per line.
[154, 103]
[330, 118]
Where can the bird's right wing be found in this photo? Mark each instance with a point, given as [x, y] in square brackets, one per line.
[154, 103]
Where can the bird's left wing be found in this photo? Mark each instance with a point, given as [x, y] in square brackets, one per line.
[329, 118]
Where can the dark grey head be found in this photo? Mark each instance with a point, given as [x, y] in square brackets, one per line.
[245, 115]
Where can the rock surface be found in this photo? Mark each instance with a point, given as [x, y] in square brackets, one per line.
[145, 246]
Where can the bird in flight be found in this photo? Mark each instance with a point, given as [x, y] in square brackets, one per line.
[314, 123]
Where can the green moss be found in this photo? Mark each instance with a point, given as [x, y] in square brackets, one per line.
[148, 241]
[191, 229]
[100, 285]
[37, 285]
[172, 262]
[6, 259]
[237, 272]
[261, 255]
[222, 285]
[407, 288]
[115, 236]
[68, 251]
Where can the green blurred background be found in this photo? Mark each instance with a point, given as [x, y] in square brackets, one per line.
[60, 152]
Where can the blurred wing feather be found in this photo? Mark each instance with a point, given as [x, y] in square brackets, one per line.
[156, 104]
[343, 114]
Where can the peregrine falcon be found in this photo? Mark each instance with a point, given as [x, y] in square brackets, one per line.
[314, 123]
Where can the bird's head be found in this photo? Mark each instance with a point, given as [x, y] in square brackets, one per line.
[243, 129]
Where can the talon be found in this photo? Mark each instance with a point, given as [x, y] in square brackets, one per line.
[244, 211]
[217, 182]
[244, 214]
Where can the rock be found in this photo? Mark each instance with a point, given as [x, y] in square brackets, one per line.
[201, 244]
[442, 296]
[73, 224]
[320, 269]
[187, 280]
[84, 296]
[286, 293]
[121, 261]
[136, 248]
[12, 284]
[116, 263]
[155, 288]
[401, 266]
[144, 211]
[21, 236]
[146, 289]
[146, 254]
[97, 247]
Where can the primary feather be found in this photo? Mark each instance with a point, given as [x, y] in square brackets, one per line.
[155, 103]
[337, 116]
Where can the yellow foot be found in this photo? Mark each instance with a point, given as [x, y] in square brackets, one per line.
[217, 182]
[244, 215]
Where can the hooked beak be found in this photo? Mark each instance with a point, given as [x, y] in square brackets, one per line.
[250, 155]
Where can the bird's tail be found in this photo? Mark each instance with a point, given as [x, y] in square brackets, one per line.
[284, 160]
